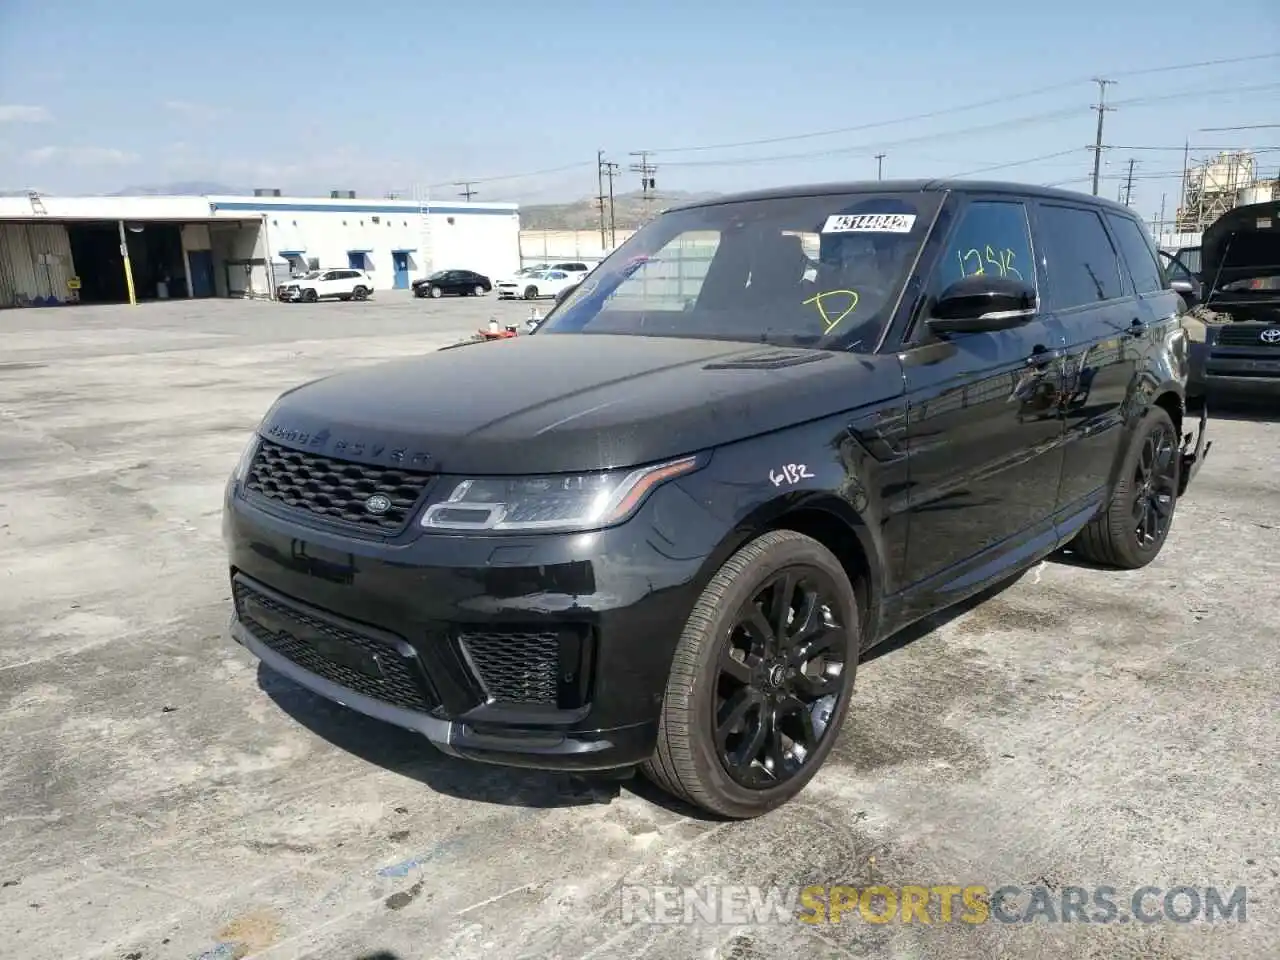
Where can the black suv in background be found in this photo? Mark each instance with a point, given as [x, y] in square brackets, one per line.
[768, 432]
[1232, 282]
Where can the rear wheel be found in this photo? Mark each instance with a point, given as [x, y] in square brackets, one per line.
[360, 293]
[479, 290]
[761, 678]
[1135, 524]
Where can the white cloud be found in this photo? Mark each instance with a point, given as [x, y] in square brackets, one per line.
[81, 156]
[19, 113]
[194, 111]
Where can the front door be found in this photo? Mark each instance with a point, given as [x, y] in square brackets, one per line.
[401, 270]
[1104, 322]
[984, 438]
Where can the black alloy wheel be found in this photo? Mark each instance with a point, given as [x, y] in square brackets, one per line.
[1155, 486]
[761, 678]
[779, 678]
[1132, 527]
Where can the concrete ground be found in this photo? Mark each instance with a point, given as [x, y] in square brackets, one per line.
[162, 797]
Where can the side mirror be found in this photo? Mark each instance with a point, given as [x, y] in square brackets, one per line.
[983, 303]
[1187, 290]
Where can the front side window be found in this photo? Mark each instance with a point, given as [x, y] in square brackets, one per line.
[816, 271]
[1139, 254]
[992, 238]
[1082, 264]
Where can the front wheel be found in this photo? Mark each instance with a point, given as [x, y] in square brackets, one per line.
[1135, 524]
[310, 296]
[761, 678]
[436, 293]
[531, 293]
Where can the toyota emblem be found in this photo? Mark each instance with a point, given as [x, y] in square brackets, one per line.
[1271, 335]
[378, 504]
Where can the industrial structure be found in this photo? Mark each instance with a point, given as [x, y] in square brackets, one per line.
[1210, 189]
[56, 250]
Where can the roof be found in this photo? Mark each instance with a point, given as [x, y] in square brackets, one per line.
[192, 209]
[910, 186]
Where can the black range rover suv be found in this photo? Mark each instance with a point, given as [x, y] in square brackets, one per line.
[767, 433]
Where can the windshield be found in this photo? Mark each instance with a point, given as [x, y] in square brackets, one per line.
[309, 275]
[438, 275]
[817, 271]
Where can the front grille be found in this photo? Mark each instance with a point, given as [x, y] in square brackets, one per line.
[398, 685]
[1239, 335]
[335, 489]
[515, 666]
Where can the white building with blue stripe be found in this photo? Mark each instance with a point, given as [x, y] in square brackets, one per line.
[56, 250]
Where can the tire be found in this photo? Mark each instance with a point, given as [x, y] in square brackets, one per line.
[436, 293]
[531, 293]
[310, 295]
[478, 291]
[359, 293]
[687, 761]
[1113, 537]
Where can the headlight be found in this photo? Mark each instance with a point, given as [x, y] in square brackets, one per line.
[1195, 328]
[545, 504]
[246, 457]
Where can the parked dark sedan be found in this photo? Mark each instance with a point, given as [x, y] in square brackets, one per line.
[767, 433]
[458, 283]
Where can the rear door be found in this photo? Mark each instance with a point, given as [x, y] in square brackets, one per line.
[984, 436]
[1105, 323]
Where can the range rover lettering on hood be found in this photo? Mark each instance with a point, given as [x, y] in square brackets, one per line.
[322, 440]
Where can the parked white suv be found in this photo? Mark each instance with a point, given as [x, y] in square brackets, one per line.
[343, 284]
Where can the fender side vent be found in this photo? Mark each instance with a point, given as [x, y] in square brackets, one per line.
[769, 360]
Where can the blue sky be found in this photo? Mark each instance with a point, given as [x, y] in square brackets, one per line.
[307, 97]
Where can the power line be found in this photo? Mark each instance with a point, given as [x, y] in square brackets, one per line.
[866, 149]
[517, 176]
[976, 105]
[1014, 163]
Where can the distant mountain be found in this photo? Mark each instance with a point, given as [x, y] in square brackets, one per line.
[629, 211]
[182, 188]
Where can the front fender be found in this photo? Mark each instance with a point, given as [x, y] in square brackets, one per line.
[748, 489]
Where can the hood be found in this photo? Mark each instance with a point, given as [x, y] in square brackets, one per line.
[1242, 244]
[561, 403]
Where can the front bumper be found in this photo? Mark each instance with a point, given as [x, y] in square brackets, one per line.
[466, 620]
[1233, 372]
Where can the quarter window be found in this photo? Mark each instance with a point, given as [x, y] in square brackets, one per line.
[1082, 264]
[991, 239]
[1139, 255]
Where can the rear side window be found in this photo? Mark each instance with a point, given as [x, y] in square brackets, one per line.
[1139, 254]
[1082, 263]
[992, 239]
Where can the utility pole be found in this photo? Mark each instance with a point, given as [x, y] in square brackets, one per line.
[647, 182]
[600, 194]
[879, 166]
[466, 191]
[611, 170]
[1102, 108]
[1160, 221]
[1180, 209]
[1128, 184]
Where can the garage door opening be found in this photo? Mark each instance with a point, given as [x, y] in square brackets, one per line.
[155, 256]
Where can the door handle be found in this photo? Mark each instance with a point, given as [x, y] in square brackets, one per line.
[1042, 357]
[1137, 328]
